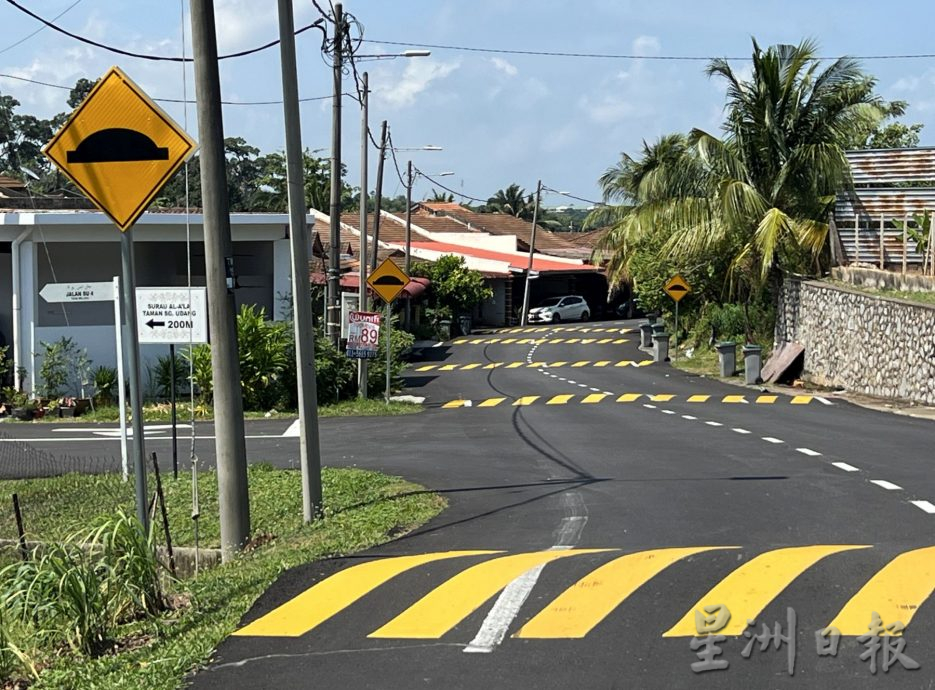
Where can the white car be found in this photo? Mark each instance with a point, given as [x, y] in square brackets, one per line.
[555, 309]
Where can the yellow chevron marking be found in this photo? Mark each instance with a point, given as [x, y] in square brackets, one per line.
[559, 400]
[494, 340]
[801, 400]
[448, 367]
[767, 399]
[427, 367]
[455, 403]
[523, 341]
[507, 341]
[468, 367]
[333, 594]
[491, 402]
[448, 604]
[461, 341]
[604, 341]
[555, 341]
[572, 340]
[514, 365]
[644, 363]
[493, 365]
[594, 398]
[629, 397]
[896, 592]
[619, 341]
[624, 363]
[587, 341]
[525, 400]
[577, 610]
[537, 365]
[602, 363]
[581, 364]
[661, 397]
[479, 341]
[698, 398]
[734, 399]
[558, 364]
[749, 588]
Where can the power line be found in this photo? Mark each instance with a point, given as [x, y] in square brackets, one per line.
[41, 28]
[572, 196]
[449, 189]
[622, 56]
[158, 58]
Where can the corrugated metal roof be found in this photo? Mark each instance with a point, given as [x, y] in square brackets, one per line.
[873, 166]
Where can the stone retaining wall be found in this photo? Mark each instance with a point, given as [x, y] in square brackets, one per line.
[862, 343]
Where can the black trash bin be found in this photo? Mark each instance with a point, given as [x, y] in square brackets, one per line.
[464, 323]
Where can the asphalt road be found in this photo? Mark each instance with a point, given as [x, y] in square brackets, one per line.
[594, 509]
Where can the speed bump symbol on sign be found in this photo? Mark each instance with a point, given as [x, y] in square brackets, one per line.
[388, 280]
[119, 148]
[677, 287]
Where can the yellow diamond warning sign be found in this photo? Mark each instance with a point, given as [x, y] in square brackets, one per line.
[677, 287]
[119, 148]
[388, 280]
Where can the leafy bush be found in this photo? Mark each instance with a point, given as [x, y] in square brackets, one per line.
[106, 385]
[160, 375]
[65, 369]
[400, 343]
[335, 373]
[454, 287]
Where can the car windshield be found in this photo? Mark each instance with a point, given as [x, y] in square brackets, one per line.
[551, 302]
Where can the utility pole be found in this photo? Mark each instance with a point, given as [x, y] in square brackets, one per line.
[333, 314]
[362, 304]
[532, 248]
[233, 497]
[309, 446]
[408, 262]
[378, 196]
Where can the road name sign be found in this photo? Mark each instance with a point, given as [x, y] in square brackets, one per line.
[388, 280]
[677, 287]
[363, 334]
[119, 148]
[172, 315]
[78, 292]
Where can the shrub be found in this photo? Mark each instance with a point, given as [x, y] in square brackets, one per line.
[160, 375]
[106, 385]
[65, 369]
[400, 343]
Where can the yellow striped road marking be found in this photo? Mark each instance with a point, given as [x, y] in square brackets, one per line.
[560, 399]
[801, 400]
[698, 398]
[624, 363]
[330, 596]
[749, 588]
[896, 592]
[536, 365]
[581, 364]
[509, 340]
[427, 367]
[555, 341]
[558, 364]
[577, 610]
[494, 340]
[587, 341]
[468, 367]
[602, 363]
[460, 342]
[448, 367]
[448, 604]
[514, 365]
[493, 365]
[571, 340]
[454, 403]
[491, 402]
[525, 400]
[594, 398]
[661, 397]
[767, 399]
[479, 341]
[604, 341]
[734, 399]
[644, 363]
[619, 341]
[628, 397]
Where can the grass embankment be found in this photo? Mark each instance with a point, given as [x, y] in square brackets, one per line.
[162, 412]
[362, 509]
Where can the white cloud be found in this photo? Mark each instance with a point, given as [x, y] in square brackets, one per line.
[240, 25]
[505, 66]
[416, 78]
[646, 45]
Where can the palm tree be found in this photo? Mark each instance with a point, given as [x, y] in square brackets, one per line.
[762, 193]
[512, 200]
[441, 197]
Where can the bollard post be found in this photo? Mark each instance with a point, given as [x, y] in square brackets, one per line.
[660, 347]
[646, 335]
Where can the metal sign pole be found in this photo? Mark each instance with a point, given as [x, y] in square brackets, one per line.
[133, 362]
[388, 344]
[121, 392]
[676, 331]
[175, 435]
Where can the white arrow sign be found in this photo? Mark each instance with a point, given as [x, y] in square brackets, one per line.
[172, 315]
[78, 292]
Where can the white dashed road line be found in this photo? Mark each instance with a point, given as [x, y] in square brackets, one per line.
[809, 452]
[770, 439]
[739, 430]
[714, 424]
[883, 484]
[689, 417]
[924, 505]
[844, 466]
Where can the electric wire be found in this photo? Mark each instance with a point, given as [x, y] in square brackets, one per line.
[572, 196]
[41, 28]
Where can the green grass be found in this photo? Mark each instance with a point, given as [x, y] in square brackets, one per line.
[362, 509]
[920, 297]
[161, 412]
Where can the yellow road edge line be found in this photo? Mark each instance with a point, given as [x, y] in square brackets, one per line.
[559, 399]
[427, 367]
[750, 588]
[451, 602]
[896, 592]
[579, 609]
[323, 600]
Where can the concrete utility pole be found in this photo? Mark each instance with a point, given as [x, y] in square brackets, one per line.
[333, 315]
[408, 262]
[309, 446]
[532, 248]
[378, 196]
[362, 391]
[233, 498]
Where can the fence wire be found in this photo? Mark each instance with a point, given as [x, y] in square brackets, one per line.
[19, 460]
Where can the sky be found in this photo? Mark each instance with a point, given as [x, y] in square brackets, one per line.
[500, 118]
